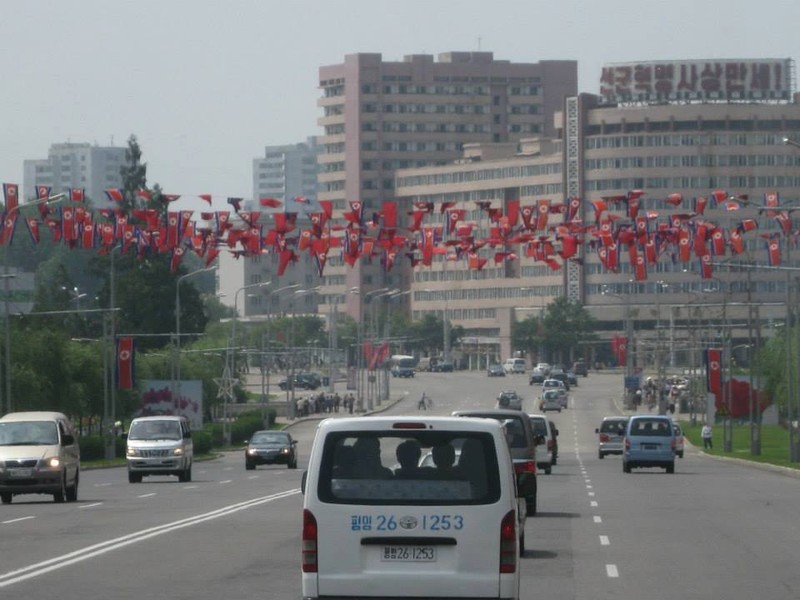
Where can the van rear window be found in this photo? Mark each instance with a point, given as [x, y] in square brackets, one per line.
[409, 468]
[654, 427]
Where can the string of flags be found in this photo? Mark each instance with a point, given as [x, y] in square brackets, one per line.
[548, 232]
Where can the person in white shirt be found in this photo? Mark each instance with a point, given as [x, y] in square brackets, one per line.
[706, 434]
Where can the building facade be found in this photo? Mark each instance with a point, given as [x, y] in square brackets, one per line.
[76, 165]
[380, 116]
[700, 163]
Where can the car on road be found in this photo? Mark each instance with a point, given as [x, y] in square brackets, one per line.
[649, 442]
[403, 371]
[39, 454]
[521, 441]
[537, 376]
[557, 384]
[269, 447]
[543, 367]
[509, 399]
[514, 365]
[159, 445]
[572, 379]
[305, 380]
[496, 370]
[552, 399]
[455, 529]
[443, 366]
[546, 447]
[579, 367]
[679, 440]
[561, 376]
[611, 436]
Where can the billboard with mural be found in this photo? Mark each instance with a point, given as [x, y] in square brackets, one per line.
[159, 398]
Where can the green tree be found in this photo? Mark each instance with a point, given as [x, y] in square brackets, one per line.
[566, 326]
[528, 335]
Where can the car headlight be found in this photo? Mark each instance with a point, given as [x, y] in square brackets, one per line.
[53, 462]
[252, 451]
[132, 451]
[177, 452]
[284, 451]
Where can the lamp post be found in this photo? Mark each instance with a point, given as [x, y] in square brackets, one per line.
[291, 409]
[230, 363]
[177, 363]
[10, 215]
[629, 342]
[266, 368]
[361, 364]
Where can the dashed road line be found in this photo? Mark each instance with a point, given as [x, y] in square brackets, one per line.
[17, 520]
[604, 541]
[612, 571]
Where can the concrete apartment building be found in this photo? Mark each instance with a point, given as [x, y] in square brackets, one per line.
[287, 173]
[606, 146]
[76, 165]
[380, 116]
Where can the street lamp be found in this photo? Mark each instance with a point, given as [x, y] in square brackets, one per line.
[177, 370]
[9, 214]
[629, 341]
[291, 409]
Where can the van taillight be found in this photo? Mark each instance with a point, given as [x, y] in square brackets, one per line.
[603, 437]
[525, 466]
[674, 443]
[309, 542]
[627, 443]
[508, 543]
[549, 445]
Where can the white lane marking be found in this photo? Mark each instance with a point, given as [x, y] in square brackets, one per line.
[591, 494]
[254, 476]
[106, 484]
[597, 519]
[588, 487]
[611, 571]
[604, 541]
[190, 487]
[18, 520]
[53, 564]
[146, 495]
[90, 505]
[593, 503]
[226, 481]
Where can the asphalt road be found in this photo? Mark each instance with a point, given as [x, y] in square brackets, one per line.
[714, 529]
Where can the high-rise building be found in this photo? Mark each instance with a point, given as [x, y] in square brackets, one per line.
[70, 165]
[287, 173]
[706, 162]
[380, 116]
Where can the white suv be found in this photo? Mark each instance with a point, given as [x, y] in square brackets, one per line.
[159, 446]
[545, 442]
[514, 365]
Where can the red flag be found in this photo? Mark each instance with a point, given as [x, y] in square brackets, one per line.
[11, 195]
[774, 250]
[115, 194]
[126, 351]
[543, 211]
[772, 200]
[713, 360]
[205, 197]
[269, 202]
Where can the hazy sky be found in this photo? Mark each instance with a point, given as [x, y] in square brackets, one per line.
[206, 84]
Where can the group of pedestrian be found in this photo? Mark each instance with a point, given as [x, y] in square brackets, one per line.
[325, 403]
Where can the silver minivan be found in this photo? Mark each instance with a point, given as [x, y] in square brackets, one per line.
[159, 445]
[39, 454]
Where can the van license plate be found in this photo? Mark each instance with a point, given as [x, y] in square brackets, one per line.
[649, 446]
[19, 473]
[409, 554]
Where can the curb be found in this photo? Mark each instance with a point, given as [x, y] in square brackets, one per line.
[384, 407]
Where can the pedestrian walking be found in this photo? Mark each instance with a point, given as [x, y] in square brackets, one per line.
[707, 434]
[424, 401]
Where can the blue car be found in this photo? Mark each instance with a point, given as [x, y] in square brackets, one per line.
[649, 442]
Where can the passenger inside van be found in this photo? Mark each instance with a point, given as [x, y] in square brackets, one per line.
[367, 459]
[408, 455]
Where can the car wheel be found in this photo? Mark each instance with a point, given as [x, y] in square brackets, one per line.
[548, 470]
[600, 455]
[555, 460]
[680, 454]
[522, 544]
[626, 468]
[249, 466]
[61, 494]
[6, 497]
[72, 491]
[671, 468]
[134, 477]
[293, 464]
[187, 476]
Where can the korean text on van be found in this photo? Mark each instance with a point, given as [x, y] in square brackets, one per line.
[39, 454]
[418, 507]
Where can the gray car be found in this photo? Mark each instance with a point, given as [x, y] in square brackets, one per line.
[611, 436]
[521, 442]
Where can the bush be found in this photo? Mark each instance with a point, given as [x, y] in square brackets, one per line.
[93, 447]
[202, 441]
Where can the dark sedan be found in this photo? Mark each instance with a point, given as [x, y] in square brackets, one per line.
[496, 370]
[270, 448]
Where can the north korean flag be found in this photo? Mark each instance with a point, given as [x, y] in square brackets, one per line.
[11, 195]
[126, 351]
[43, 192]
[713, 360]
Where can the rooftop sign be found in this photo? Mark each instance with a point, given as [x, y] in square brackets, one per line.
[711, 80]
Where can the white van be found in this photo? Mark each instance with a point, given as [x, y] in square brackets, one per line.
[159, 445]
[514, 365]
[418, 507]
[39, 454]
